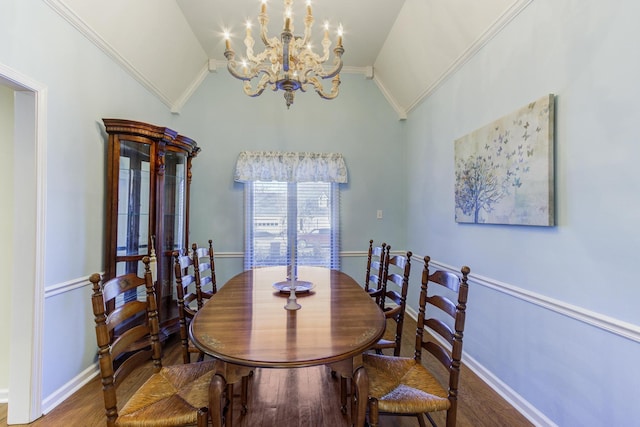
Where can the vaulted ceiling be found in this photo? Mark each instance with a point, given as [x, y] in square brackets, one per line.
[408, 47]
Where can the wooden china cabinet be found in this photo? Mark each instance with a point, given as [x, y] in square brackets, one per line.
[148, 180]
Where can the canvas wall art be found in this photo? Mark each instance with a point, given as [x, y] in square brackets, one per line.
[504, 170]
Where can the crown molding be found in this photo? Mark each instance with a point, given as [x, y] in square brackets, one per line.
[191, 89]
[71, 17]
[497, 26]
[402, 113]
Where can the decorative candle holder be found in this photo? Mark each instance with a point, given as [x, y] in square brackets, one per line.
[292, 277]
[292, 303]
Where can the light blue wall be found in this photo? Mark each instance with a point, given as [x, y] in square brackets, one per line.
[584, 53]
[359, 124]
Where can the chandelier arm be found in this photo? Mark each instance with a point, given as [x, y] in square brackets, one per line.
[308, 24]
[260, 87]
[259, 58]
[326, 46]
[327, 74]
[249, 42]
[234, 73]
[303, 85]
[335, 83]
[263, 19]
[232, 65]
[311, 59]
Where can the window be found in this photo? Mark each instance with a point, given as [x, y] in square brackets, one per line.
[292, 206]
[280, 213]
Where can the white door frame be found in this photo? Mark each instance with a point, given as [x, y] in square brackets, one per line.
[26, 324]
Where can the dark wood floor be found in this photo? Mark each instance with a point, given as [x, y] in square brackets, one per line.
[298, 397]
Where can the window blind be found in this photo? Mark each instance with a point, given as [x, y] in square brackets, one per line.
[283, 217]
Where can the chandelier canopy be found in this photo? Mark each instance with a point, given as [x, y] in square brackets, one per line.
[289, 62]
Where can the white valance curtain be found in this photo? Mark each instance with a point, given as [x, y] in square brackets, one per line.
[290, 167]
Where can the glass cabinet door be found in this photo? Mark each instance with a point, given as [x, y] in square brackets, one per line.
[175, 206]
[134, 187]
[175, 212]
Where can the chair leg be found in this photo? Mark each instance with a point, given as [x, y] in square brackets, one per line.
[244, 393]
[216, 399]
[373, 412]
[421, 420]
[203, 417]
[228, 419]
[343, 394]
[353, 401]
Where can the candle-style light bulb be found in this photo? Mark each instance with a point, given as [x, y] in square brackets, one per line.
[309, 7]
[287, 21]
[326, 29]
[248, 25]
[340, 32]
[227, 39]
[263, 7]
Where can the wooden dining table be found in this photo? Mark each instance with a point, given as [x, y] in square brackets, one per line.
[245, 325]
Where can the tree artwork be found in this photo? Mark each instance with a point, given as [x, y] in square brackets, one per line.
[504, 171]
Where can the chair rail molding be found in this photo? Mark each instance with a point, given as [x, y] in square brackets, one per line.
[604, 322]
[67, 286]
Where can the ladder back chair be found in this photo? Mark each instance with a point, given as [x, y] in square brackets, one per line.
[128, 341]
[404, 386]
[188, 302]
[395, 285]
[188, 270]
[376, 259]
[203, 261]
[373, 285]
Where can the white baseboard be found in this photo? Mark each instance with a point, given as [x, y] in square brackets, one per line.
[518, 402]
[4, 395]
[59, 396]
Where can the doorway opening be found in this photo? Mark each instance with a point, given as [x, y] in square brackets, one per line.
[25, 283]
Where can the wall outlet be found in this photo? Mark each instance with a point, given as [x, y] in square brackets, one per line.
[379, 214]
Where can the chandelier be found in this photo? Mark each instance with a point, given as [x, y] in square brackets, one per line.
[287, 63]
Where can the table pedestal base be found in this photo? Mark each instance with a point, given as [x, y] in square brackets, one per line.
[350, 368]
